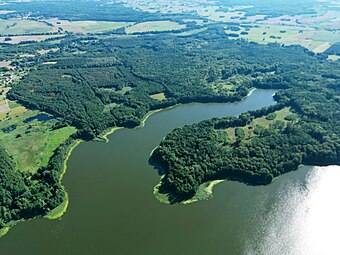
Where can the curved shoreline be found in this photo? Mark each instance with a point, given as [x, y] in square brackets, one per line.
[60, 210]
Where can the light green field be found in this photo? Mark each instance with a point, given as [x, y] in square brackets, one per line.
[154, 26]
[159, 96]
[326, 36]
[314, 40]
[25, 38]
[31, 144]
[333, 57]
[87, 26]
[263, 122]
[19, 26]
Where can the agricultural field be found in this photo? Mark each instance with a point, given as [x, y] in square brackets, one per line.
[85, 27]
[30, 137]
[28, 38]
[174, 6]
[316, 31]
[312, 39]
[154, 26]
[23, 26]
[6, 64]
[4, 106]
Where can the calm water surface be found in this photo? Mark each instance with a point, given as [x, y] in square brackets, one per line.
[112, 209]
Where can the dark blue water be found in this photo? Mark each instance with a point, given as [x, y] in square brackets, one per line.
[39, 117]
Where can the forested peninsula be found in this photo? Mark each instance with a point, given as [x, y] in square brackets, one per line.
[254, 148]
[96, 83]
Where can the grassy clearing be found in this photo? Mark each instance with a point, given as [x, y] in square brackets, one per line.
[159, 96]
[23, 26]
[4, 104]
[49, 63]
[222, 87]
[262, 122]
[27, 55]
[31, 144]
[333, 57]
[100, 26]
[109, 107]
[154, 26]
[27, 38]
[43, 52]
[5, 64]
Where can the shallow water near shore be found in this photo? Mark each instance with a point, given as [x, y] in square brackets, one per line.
[112, 209]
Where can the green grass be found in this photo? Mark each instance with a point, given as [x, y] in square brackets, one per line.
[19, 26]
[326, 36]
[32, 144]
[154, 26]
[204, 192]
[59, 211]
[262, 121]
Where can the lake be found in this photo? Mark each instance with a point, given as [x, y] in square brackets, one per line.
[113, 211]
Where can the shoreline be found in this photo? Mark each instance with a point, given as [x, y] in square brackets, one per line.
[251, 92]
[4, 231]
[59, 211]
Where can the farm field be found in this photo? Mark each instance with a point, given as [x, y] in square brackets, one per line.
[23, 26]
[87, 26]
[154, 26]
[312, 39]
[28, 38]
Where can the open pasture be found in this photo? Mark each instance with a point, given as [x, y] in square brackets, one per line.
[23, 26]
[85, 27]
[27, 38]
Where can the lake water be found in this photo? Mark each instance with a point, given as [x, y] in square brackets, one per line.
[112, 209]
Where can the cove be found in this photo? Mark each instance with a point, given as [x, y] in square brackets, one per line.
[113, 211]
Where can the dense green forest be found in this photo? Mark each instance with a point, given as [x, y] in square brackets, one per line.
[98, 82]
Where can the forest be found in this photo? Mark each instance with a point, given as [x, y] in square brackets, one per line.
[114, 84]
